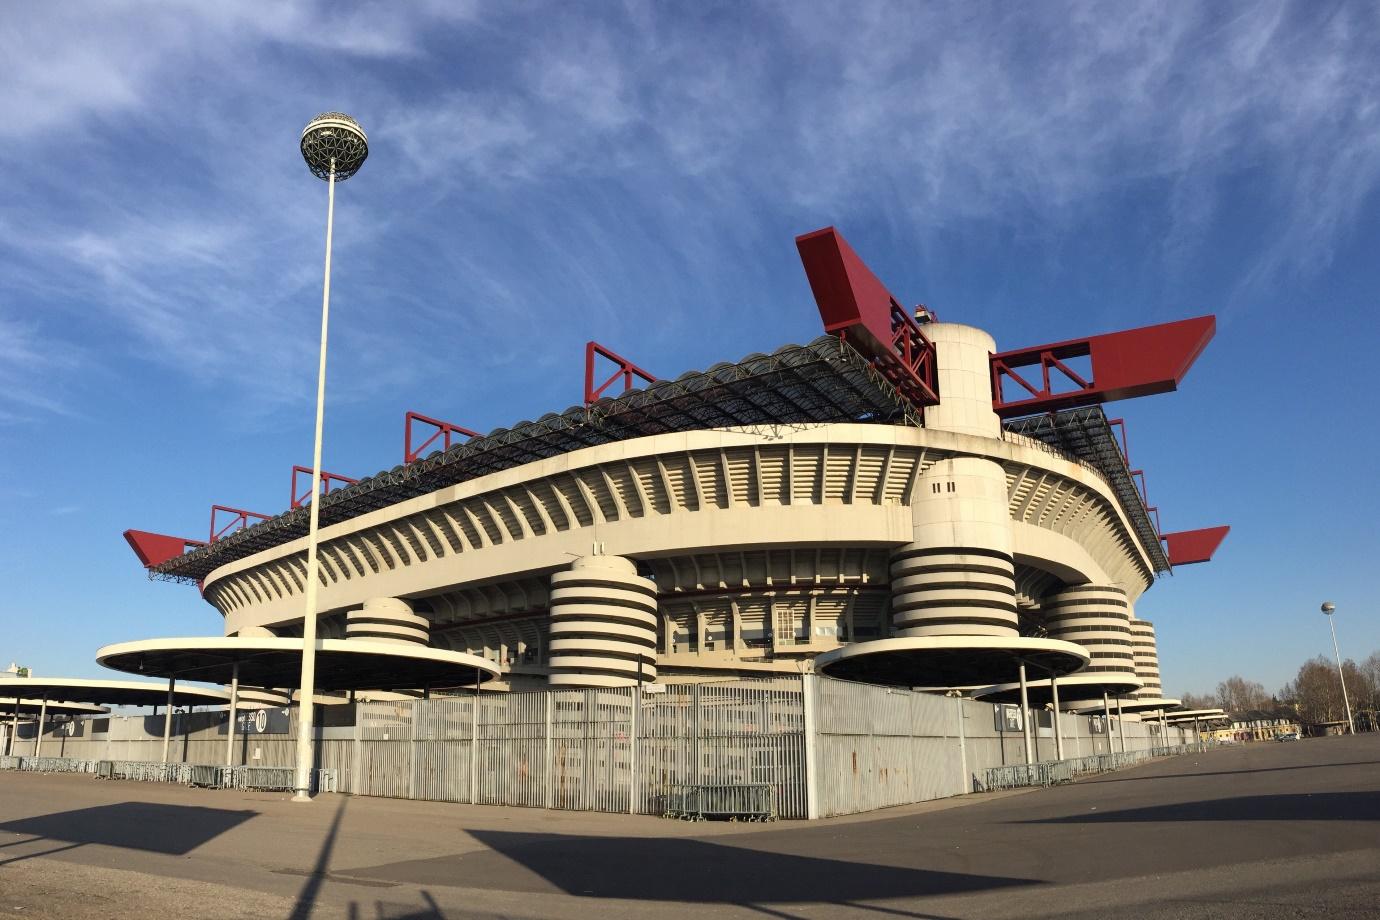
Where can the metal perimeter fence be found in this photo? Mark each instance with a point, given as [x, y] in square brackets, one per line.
[797, 747]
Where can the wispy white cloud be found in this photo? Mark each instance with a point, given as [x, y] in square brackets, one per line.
[532, 158]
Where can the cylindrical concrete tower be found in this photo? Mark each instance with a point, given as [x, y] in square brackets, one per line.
[963, 361]
[957, 576]
[1097, 617]
[387, 619]
[1147, 659]
[603, 625]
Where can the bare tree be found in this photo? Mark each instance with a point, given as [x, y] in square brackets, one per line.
[1236, 694]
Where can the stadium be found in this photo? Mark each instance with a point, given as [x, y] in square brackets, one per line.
[897, 502]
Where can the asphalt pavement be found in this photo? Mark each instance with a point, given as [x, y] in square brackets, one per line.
[1268, 830]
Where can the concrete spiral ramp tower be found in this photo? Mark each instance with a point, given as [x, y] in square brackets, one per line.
[953, 590]
[603, 625]
[387, 619]
[1147, 659]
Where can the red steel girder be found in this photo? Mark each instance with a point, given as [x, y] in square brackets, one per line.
[1137, 362]
[1187, 547]
[444, 430]
[857, 307]
[301, 498]
[157, 548]
[239, 520]
[626, 372]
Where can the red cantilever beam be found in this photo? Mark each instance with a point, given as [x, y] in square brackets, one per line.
[156, 548]
[626, 372]
[1137, 362]
[301, 498]
[1189, 546]
[857, 307]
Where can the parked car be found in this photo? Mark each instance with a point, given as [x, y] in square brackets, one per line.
[1288, 736]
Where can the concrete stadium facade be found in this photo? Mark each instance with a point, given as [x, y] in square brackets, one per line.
[871, 505]
[732, 552]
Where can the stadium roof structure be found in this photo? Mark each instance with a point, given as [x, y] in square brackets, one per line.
[822, 382]
[341, 664]
[111, 692]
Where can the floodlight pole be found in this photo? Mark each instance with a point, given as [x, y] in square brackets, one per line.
[1327, 609]
[308, 682]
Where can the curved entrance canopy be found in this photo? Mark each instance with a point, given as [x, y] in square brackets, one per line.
[110, 692]
[1082, 688]
[341, 664]
[31, 708]
[949, 661]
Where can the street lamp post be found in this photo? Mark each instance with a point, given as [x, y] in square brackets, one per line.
[335, 147]
[1328, 608]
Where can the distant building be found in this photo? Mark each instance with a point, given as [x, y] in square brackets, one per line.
[1254, 725]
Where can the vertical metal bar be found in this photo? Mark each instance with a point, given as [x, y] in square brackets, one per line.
[809, 684]
[695, 734]
[413, 742]
[234, 708]
[357, 761]
[550, 749]
[474, 743]
[635, 722]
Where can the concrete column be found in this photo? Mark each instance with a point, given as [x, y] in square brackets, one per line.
[957, 576]
[1025, 716]
[603, 625]
[14, 728]
[168, 717]
[42, 720]
[1097, 617]
[964, 371]
[234, 705]
[1058, 734]
[1120, 725]
[1147, 659]
[1106, 722]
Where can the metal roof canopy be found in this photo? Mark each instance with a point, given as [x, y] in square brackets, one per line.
[825, 381]
[948, 661]
[1038, 692]
[341, 664]
[1135, 704]
[112, 692]
[28, 707]
[1086, 434]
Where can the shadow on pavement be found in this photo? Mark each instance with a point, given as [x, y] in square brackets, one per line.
[671, 870]
[1321, 806]
[156, 828]
[306, 898]
[1111, 778]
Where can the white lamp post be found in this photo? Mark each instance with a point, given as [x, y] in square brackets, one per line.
[334, 147]
[1328, 608]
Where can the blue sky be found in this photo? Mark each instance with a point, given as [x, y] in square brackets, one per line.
[635, 173]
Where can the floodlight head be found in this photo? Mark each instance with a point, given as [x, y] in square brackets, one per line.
[334, 139]
[1328, 607]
